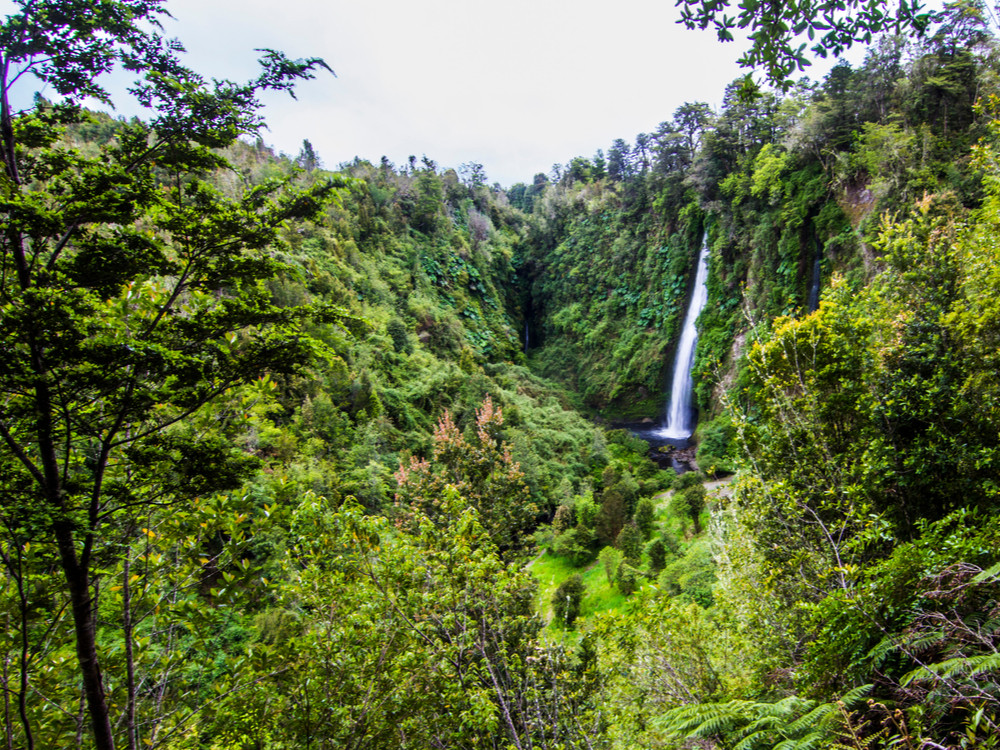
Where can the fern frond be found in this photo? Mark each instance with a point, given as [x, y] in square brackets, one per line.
[792, 723]
[991, 625]
[750, 742]
[971, 666]
[819, 716]
[924, 640]
[966, 666]
[857, 695]
[811, 741]
[918, 675]
[716, 725]
[992, 572]
[763, 724]
[880, 650]
[702, 719]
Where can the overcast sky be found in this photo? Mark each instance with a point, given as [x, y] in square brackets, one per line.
[516, 85]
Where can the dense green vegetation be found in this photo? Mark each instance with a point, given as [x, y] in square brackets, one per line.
[277, 471]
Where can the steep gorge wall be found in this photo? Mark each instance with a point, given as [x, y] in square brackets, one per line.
[778, 182]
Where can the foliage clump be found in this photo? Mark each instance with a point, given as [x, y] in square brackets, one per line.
[566, 600]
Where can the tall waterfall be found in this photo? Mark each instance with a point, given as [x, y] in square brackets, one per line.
[813, 301]
[680, 409]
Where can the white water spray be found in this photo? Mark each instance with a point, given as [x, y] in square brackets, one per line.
[680, 408]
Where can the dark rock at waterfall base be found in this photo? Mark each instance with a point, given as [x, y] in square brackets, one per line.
[667, 453]
[678, 455]
[680, 459]
[687, 457]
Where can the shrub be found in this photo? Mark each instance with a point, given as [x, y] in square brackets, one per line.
[692, 576]
[644, 516]
[716, 446]
[656, 552]
[628, 578]
[399, 335]
[629, 541]
[586, 509]
[611, 559]
[566, 600]
[671, 544]
[576, 545]
[563, 520]
[685, 480]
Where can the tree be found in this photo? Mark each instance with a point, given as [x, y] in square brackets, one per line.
[882, 69]
[130, 297]
[599, 165]
[617, 503]
[610, 559]
[644, 516]
[612, 515]
[426, 214]
[656, 550]
[481, 470]
[775, 28]
[473, 174]
[308, 159]
[630, 541]
[619, 160]
[566, 600]
[627, 579]
[387, 638]
[658, 653]
[641, 152]
[692, 119]
[694, 502]
[563, 520]
[578, 170]
[672, 152]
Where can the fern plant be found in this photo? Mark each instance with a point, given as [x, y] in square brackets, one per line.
[791, 723]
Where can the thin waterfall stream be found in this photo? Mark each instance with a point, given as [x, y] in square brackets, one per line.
[680, 416]
[813, 301]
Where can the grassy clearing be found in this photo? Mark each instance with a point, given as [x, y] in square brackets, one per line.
[600, 596]
[550, 571]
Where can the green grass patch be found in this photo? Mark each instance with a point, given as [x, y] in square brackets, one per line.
[600, 596]
[550, 571]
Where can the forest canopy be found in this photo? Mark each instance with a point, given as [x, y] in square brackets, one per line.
[300, 457]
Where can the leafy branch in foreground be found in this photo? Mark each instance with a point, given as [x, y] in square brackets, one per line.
[832, 26]
[131, 296]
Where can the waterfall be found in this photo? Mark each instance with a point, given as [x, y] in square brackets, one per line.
[813, 301]
[680, 409]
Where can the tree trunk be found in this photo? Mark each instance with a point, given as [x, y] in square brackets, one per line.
[85, 629]
[8, 723]
[130, 722]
